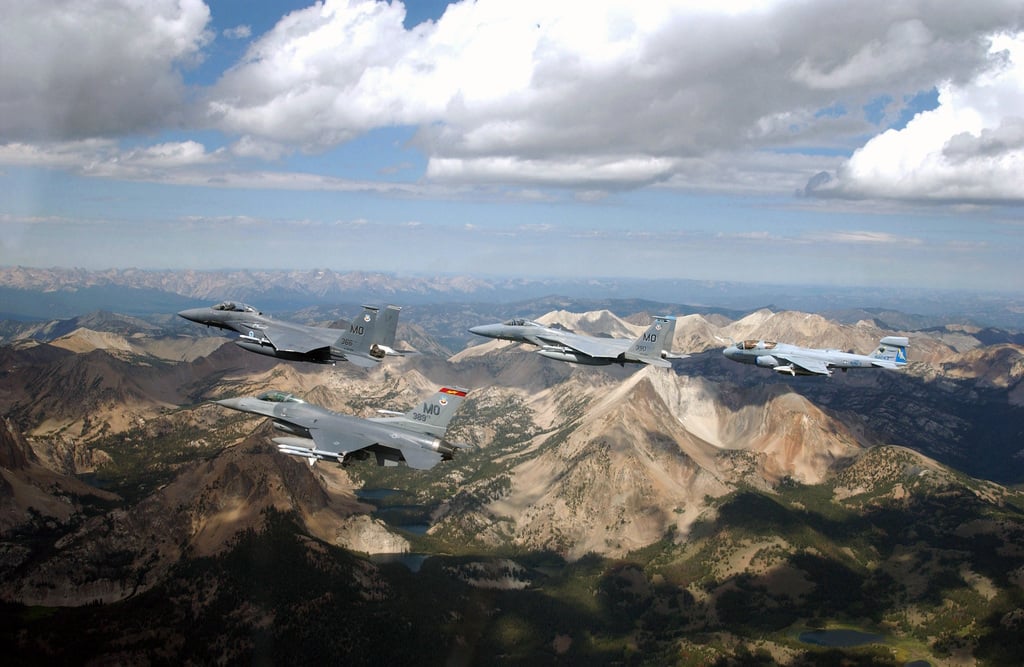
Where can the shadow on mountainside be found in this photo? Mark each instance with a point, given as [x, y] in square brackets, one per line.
[959, 423]
[935, 569]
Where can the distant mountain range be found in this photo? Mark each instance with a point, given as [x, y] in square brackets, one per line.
[35, 293]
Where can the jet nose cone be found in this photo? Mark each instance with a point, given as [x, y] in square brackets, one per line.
[729, 352]
[191, 314]
[233, 403]
[480, 329]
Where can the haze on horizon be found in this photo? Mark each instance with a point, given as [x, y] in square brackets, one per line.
[831, 142]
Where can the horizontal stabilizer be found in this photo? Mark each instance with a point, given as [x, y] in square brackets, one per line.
[891, 352]
[419, 458]
[361, 361]
[656, 361]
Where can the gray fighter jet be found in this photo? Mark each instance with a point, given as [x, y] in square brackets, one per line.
[794, 360]
[365, 341]
[315, 433]
[650, 348]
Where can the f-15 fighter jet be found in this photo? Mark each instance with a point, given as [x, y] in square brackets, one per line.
[650, 348]
[364, 341]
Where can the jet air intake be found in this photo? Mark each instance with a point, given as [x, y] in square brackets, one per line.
[292, 429]
[766, 361]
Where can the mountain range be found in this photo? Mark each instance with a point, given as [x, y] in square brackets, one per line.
[60, 293]
[708, 514]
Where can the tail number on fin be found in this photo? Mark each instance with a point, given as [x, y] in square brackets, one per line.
[427, 411]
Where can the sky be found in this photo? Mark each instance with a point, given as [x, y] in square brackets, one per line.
[858, 143]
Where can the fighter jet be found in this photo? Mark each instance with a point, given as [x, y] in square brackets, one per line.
[650, 348]
[365, 341]
[314, 433]
[784, 358]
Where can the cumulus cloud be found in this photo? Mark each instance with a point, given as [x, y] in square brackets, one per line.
[753, 96]
[606, 92]
[969, 148]
[81, 68]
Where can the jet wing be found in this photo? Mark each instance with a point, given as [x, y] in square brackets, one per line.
[809, 365]
[339, 441]
[344, 443]
[287, 339]
[592, 347]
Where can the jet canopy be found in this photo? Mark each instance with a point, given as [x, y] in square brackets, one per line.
[279, 397]
[235, 307]
[521, 323]
[757, 345]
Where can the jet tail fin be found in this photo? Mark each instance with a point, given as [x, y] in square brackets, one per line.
[388, 326]
[891, 352]
[432, 415]
[653, 346]
[371, 336]
[357, 343]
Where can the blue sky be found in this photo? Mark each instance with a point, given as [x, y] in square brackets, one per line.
[855, 143]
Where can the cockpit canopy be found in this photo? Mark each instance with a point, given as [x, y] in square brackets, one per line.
[235, 307]
[756, 345]
[279, 397]
[519, 322]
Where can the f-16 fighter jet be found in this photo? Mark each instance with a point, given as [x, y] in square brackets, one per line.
[784, 358]
[365, 341]
[415, 437]
[650, 348]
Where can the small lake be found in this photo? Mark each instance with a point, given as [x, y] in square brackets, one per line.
[375, 494]
[413, 519]
[841, 638]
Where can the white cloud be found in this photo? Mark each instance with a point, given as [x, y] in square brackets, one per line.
[866, 237]
[103, 157]
[253, 147]
[238, 32]
[83, 68]
[62, 155]
[539, 92]
[614, 171]
[593, 95]
[970, 148]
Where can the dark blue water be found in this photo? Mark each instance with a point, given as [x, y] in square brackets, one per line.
[410, 518]
[375, 494]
